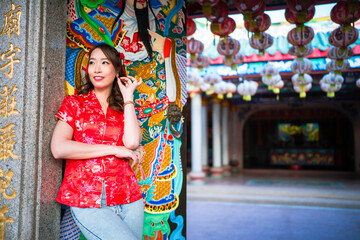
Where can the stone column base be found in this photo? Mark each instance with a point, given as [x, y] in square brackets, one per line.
[226, 170]
[216, 172]
[197, 178]
[206, 169]
[234, 166]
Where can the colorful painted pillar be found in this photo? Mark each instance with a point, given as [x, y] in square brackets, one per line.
[216, 170]
[204, 132]
[196, 175]
[159, 100]
[225, 138]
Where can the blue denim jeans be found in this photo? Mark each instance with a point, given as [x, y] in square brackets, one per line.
[123, 222]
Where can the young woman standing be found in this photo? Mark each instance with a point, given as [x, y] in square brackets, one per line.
[98, 134]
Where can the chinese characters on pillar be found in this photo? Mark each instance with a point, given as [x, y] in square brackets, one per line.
[7, 142]
[7, 107]
[4, 220]
[12, 21]
[9, 59]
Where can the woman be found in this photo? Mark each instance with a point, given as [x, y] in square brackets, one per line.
[98, 135]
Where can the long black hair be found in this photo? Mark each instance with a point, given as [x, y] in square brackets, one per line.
[115, 99]
[142, 18]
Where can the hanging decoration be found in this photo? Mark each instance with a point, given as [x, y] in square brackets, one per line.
[200, 61]
[228, 47]
[193, 82]
[212, 79]
[250, 8]
[218, 13]
[234, 61]
[194, 47]
[259, 24]
[341, 38]
[300, 38]
[331, 83]
[206, 5]
[302, 83]
[190, 26]
[224, 28]
[270, 76]
[344, 13]
[262, 43]
[247, 89]
[299, 15]
[230, 89]
[337, 66]
[220, 89]
[340, 53]
[205, 87]
[299, 12]
[300, 51]
[358, 83]
[301, 67]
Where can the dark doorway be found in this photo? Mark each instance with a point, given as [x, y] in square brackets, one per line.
[314, 139]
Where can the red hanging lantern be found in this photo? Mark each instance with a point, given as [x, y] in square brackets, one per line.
[223, 29]
[190, 27]
[259, 24]
[234, 60]
[300, 38]
[341, 38]
[200, 61]
[206, 5]
[345, 12]
[299, 17]
[262, 43]
[218, 13]
[250, 8]
[194, 46]
[300, 5]
[228, 47]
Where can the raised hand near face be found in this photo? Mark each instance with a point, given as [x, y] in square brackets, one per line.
[127, 86]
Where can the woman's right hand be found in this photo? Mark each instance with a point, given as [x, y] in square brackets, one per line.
[123, 152]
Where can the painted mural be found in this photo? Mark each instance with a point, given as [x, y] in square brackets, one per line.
[159, 100]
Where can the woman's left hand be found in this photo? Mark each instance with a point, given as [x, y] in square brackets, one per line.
[127, 86]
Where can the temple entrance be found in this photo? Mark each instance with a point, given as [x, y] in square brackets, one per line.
[307, 139]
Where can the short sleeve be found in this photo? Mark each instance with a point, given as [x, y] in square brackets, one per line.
[67, 111]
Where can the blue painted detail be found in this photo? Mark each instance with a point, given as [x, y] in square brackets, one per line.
[177, 233]
[159, 106]
[172, 13]
[71, 56]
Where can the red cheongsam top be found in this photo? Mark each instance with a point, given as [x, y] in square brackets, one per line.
[83, 179]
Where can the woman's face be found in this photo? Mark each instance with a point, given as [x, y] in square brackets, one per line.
[101, 71]
[140, 4]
